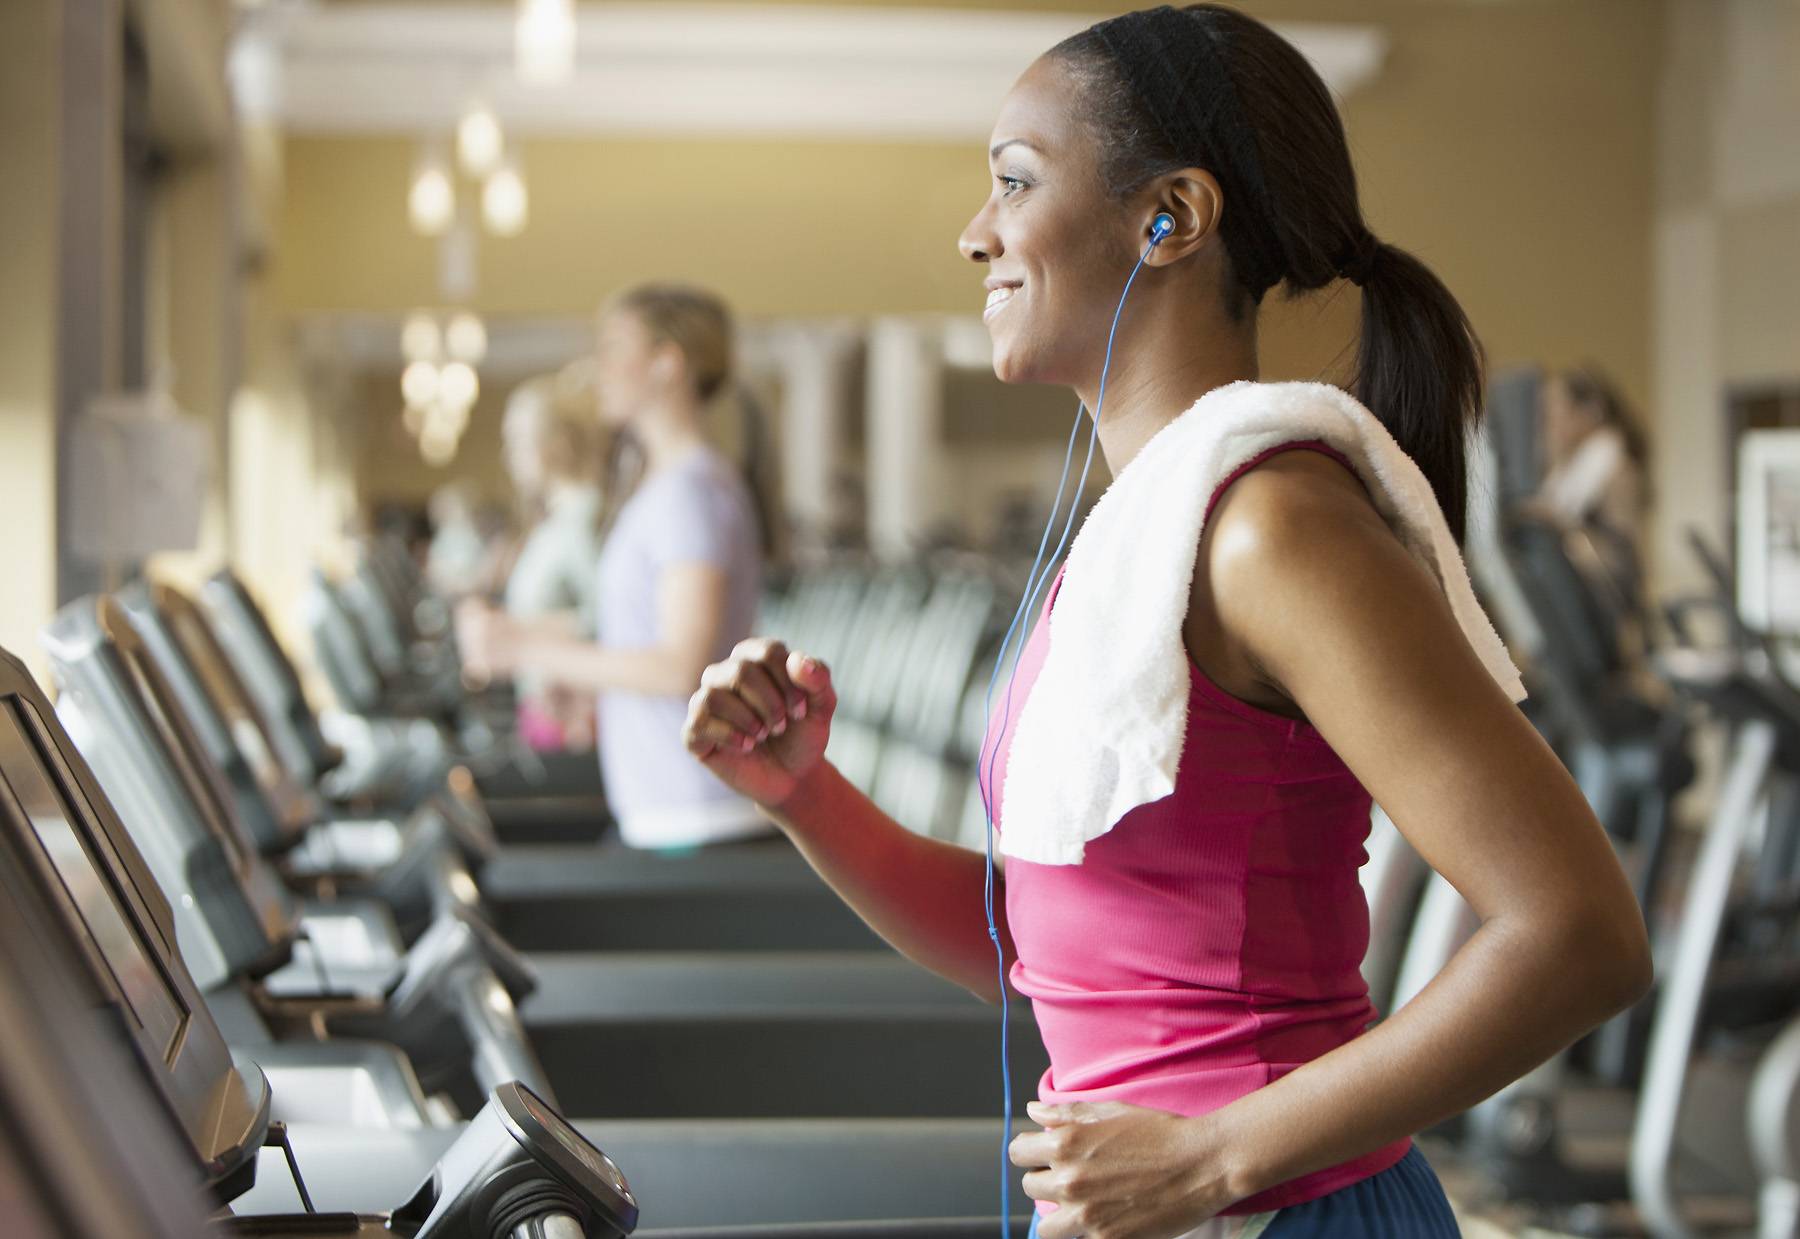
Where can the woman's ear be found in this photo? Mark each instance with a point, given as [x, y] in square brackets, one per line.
[666, 364]
[1193, 200]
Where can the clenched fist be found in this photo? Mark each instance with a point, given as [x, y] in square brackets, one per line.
[761, 718]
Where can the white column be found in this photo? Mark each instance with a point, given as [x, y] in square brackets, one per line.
[815, 391]
[1688, 396]
[89, 301]
[905, 409]
[196, 317]
[1687, 383]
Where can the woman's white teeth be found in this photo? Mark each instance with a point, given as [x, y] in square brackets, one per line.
[999, 297]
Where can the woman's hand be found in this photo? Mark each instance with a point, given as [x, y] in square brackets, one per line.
[761, 718]
[484, 640]
[1117, 1171]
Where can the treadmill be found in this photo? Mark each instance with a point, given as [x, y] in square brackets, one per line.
[83, 901]
[65, 856]
[84, 1154]
[788, 1178]
[392, 763]
[747, 1035]
[545, 797]
[751, 896]
[417, 868]
[448, 999]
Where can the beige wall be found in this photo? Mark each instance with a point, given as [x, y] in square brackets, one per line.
[784, 228]
[196, 334]
[29, 48]
[387, 460]
[292, 494]
[1727, 256]
[1759, 261]
[1511, 146]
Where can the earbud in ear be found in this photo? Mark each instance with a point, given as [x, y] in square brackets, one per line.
[1161, 226]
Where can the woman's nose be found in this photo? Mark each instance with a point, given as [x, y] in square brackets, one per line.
[978, 242]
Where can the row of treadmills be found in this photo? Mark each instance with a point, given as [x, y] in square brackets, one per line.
[256, 980]
[266, 971]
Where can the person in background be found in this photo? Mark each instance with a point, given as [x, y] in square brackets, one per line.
[679, 573]
[1596, 475]
[553, 460]
[457, 553]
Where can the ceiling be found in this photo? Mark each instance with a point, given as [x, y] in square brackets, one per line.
[726, 67]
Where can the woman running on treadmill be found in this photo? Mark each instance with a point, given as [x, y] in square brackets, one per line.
[1195, 976]
[1597, 473]
[680, 573]
[552, 458]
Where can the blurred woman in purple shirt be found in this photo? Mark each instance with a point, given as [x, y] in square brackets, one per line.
[678, 578]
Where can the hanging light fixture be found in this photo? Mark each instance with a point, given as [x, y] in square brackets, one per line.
[544, 41]
[431, 201]
[458, 386]
[447, 418]
[479, 140]
[438, 446]
[466, 338]
[420, 339]
[442, 431]
[505, 204]
[421, 382]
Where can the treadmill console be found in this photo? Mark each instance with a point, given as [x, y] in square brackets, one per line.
[258, 658]
[73, 850]
[539, 1127]
[176, 638]
[1511, 428]
[155, 1012]
[240, 919]
[519, 1163]
[96, 881]
[87, 1149]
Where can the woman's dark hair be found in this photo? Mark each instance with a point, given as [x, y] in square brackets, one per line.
[1588, 385]
[1206, 86]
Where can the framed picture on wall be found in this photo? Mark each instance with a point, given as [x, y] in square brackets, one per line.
[1768, 526]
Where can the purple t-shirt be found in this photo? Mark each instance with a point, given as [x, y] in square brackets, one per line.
[695, 511]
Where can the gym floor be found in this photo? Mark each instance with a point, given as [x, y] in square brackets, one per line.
[1478, 1218]
[1483, 1216]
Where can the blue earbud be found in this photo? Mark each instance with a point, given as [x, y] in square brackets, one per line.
[1161, 226]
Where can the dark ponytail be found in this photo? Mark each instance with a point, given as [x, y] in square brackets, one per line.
[1419, 369]
[1206, 86]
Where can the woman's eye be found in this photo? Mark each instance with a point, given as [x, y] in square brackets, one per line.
[1011, 185]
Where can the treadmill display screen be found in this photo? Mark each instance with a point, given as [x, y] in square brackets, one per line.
[182, 749]
[23, 1208]
[149, 998]
[597, 1163]
[202, 651]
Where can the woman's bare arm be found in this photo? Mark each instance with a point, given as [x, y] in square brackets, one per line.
[690, 605]
[760, 722]
[1306, 576]
[923, 896]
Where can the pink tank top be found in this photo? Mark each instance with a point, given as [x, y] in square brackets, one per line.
[1212, 941]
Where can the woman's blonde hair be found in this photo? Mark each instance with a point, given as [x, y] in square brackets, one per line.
[693, 320]
[563, 434]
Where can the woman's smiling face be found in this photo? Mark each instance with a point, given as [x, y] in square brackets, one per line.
[1057, 246]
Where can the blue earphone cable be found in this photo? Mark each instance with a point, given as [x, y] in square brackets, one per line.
[1034, 584]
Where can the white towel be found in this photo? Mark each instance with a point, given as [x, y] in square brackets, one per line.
[1104, 727]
